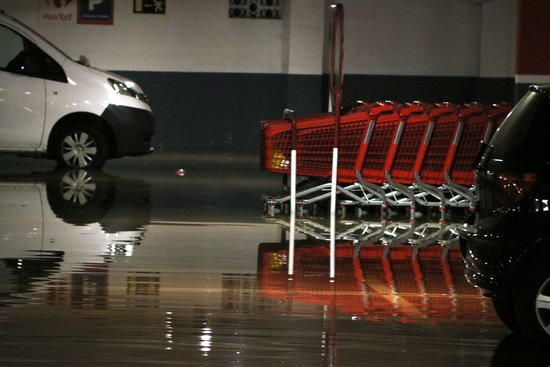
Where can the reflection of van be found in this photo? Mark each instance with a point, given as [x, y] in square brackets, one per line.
[82, 214]
[54, 107]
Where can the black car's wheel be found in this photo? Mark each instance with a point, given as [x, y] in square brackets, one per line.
[506, 311]
[533, 303]
[81, 146]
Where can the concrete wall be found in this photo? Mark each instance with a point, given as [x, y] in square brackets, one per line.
[431, 50]
[420, 37]
[498, 48]
[533, 51]
[211, 78]
[193, 36]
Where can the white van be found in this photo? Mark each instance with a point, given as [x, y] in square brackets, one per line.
[57, 108]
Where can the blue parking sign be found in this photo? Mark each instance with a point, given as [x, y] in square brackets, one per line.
[95, 12]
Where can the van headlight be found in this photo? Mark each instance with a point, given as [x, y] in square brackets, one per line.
[122, 89]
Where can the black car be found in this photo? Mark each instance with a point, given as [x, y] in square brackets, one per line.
[507, 252]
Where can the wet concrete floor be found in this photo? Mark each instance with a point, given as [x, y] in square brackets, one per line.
[137, 265]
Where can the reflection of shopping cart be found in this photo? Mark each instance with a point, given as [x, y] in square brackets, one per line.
[390, 154]
[377, 284]
[363, 232]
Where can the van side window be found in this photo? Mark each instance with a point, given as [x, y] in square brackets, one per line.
[19, 55]
[12, 52]
[43, 66]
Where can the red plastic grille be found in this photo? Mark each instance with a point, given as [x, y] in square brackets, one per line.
[314, 147]
[469, 146]
[411, 140]
[442, 137]
[378, 147]
[383, 152]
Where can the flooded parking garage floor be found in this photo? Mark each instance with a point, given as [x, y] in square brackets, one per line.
[138, 265]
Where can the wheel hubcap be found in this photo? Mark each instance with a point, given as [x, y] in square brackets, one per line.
[543, 306]
[78, 187]
[79, 149]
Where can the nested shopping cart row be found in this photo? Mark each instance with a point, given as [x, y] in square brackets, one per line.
[390, 154]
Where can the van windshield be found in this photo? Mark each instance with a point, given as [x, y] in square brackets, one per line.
[40, 36]
[525, 134]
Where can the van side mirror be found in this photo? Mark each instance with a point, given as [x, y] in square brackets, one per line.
[83, 60]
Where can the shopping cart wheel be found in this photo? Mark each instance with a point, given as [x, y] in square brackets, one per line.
[343, 207]
[301, 209]
[342, 211]
[270, 206]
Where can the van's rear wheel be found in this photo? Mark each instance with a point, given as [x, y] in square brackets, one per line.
[81, 146]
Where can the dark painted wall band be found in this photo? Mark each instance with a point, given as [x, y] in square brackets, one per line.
[221, 112]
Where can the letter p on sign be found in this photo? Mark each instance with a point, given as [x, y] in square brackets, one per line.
[93, 3]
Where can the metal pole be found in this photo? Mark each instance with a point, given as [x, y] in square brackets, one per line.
[336, 89]
[290, 116]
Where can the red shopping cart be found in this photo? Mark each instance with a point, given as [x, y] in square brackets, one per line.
[390, 153]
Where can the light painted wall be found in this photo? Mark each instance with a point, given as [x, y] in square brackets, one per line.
[498, 38]
[303, 36]
[383, 37]
[193, 36]
[418, 37]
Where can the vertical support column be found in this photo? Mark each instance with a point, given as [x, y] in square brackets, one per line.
[303, 41]
[533, 45]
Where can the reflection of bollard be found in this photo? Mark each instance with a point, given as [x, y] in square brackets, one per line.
[412, 214]
[357, 250]
[443, 214]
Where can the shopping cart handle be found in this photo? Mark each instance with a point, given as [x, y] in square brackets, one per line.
[289, 115]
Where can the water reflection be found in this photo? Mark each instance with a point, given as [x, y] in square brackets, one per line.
[516, 350]
[399, 282]
[59, 231]
[113, 284]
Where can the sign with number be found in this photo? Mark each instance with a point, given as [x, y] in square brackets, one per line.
[95, 12]
[150, 6]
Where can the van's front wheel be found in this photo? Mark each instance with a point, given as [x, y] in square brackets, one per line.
[81, 146]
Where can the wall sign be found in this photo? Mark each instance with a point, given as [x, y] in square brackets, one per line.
[95, 12]
[57, 11]
[150, 6]
[258, 9]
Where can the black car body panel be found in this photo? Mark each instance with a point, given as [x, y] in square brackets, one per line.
[512, 222]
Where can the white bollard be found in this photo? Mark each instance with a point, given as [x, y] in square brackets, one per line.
[333, 213]
[292, 212]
